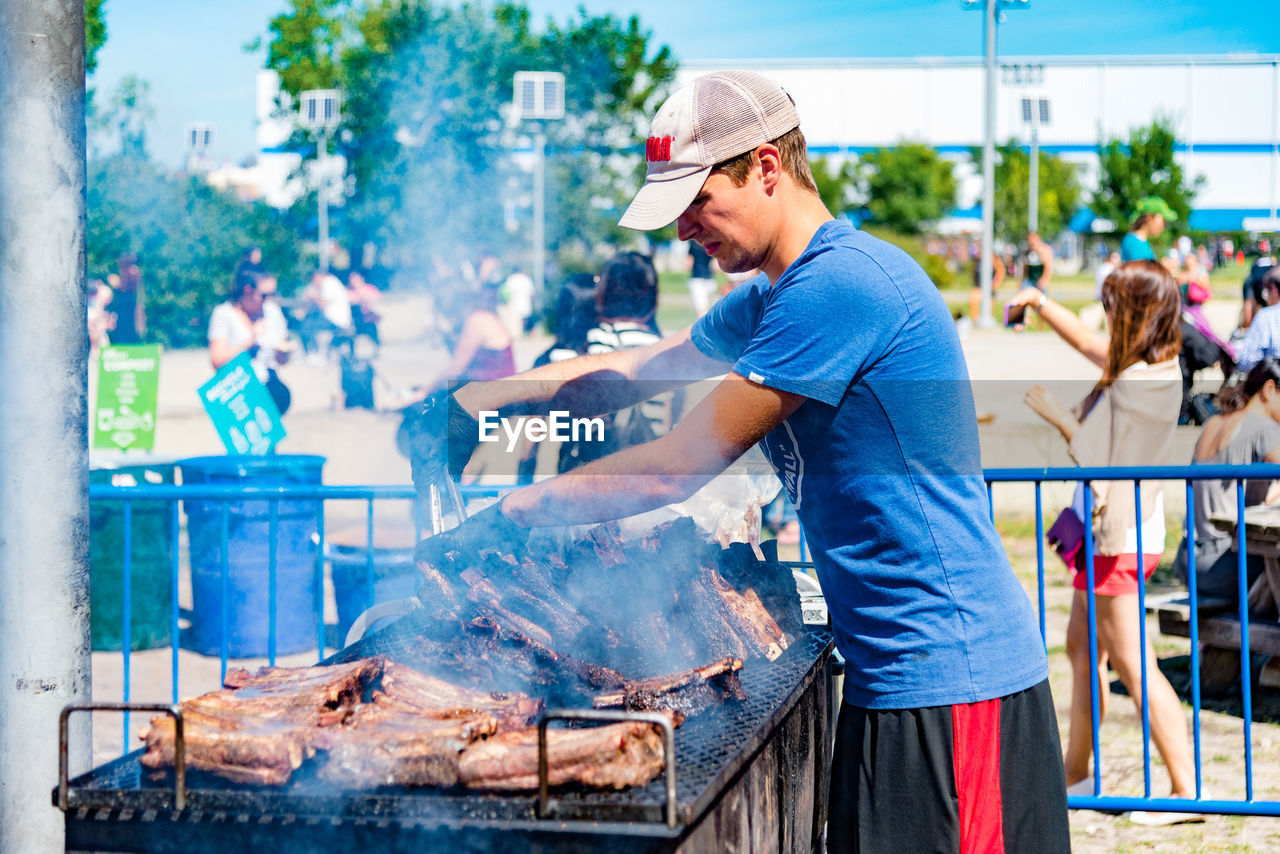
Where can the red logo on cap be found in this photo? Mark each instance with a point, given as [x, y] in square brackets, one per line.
[657, 148]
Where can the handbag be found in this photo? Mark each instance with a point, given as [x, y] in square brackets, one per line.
[1066, 536]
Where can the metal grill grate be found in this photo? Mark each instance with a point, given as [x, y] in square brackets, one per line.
[711, 748]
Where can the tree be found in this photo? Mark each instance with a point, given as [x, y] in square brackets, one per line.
[1144, 165]
[837, 183]
[907, 188]
[1059, 191]
[95, 33]
[187, 236]
[426, 128]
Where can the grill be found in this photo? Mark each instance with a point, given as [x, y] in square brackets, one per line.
[751, 775]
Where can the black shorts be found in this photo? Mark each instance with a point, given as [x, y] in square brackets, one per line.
[981, 778]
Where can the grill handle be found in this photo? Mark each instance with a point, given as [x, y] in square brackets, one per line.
[610, 716]
[179, 745]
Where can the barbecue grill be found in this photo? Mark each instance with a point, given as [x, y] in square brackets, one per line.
[748, 775]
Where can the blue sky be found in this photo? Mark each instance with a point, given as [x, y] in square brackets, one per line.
[191, 52]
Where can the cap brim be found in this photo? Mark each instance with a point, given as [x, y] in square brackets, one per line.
[659, 203]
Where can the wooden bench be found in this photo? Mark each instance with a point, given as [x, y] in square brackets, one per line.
[1219, 635]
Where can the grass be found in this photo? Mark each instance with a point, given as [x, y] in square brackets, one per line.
[1073, 291]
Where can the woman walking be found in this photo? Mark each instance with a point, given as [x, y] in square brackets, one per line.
[1128, 419]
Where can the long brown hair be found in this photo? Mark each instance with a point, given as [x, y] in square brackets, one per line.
[1144, 311]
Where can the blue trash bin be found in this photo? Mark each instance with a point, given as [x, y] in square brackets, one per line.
[247, 582]
[394, 576]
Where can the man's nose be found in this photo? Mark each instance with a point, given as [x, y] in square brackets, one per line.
[686, 226]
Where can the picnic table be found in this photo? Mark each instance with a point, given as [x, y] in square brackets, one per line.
[1219, 619]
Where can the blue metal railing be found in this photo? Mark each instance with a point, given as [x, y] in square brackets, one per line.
[1138, 474]
[322, 494]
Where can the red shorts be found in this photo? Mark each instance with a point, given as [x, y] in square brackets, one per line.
[1113, 575]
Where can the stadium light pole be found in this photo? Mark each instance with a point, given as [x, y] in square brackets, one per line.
[197, 140]
[539, 95]
[1035, 112]
[319, 112]
[991, 10]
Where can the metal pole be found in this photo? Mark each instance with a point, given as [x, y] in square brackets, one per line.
[44, 510]
[1275, 134]
[988, 165]
[322, 194]
[1033, 204]
[539, 210]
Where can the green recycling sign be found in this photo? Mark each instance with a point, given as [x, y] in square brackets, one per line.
[125, 409]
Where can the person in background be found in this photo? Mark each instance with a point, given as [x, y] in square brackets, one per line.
[250, 261]
[975, 293]
[1246, 430]
[326, 308]
[363, 297]
[485, 348]
[702, 282]
[1037, 267]
[1261, 266]
[626, 305]
[100, 321]
[1151, 215]
[1201, 346]
[1262, 339]
[251, 321]
[1128, 419]
[576, 313]
[131, 314]
[517, 303]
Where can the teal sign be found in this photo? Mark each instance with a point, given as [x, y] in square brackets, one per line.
[125, 411]
[241, 409]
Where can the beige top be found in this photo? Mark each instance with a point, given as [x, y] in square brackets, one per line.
[1132, 424]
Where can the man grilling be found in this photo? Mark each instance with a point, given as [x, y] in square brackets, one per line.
[844, 365]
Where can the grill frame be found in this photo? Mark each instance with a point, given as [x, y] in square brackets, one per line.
[115, 807]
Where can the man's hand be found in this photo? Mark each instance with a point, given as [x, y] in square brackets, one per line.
[490, 529]
[437, 432]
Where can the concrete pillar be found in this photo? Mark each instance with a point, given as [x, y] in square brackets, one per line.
[44, 511]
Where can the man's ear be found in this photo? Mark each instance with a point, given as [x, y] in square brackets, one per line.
[770, 160]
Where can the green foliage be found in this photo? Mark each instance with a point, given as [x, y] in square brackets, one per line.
[1059, 191]
[837, 183]
[95, 33]
[186, 235]
[907, 188]
[1144, 165]
[427, 89]
[934, 266]
[126, 116]
[305, 43]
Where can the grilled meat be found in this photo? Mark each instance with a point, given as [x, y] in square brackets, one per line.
[613, 756]
[263, 727]
[382, 746]
[687, 692]
[405, 688]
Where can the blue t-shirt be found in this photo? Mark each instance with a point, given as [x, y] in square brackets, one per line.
[1134, 248]
[883, 466]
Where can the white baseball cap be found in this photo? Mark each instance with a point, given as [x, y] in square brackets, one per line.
[713, 119]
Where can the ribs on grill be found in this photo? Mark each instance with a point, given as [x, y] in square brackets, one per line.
[261, 728]
[687, 693]
[663, 602]
[613, 756]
